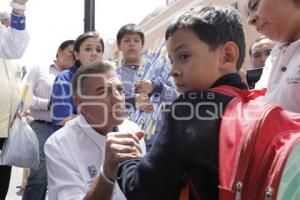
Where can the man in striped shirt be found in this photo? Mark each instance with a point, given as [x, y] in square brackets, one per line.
[42, 81]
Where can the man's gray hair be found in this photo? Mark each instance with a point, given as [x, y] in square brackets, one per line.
[4, 15]
[92, 68]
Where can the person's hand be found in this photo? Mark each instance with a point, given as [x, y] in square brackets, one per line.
[20, 114]
[26, 113]
[142, 102]
[120, 147]
[145, 86]
[20, 1]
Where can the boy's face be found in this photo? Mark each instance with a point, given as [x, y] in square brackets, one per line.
[131, 47]
[277, 19]
[194, 65]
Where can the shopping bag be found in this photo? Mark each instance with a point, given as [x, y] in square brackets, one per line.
[21, 148]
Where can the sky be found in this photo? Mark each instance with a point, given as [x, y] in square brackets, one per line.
[49, 22]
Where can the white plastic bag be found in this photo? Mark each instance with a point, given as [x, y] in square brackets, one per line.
[21, 148]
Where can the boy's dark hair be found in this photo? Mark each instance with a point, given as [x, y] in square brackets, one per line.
[81, 38]
[97, 67]
[64, 45]
[214, 25]
[130, 28]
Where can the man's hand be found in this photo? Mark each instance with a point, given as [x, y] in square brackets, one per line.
[142, 102]
[120, 147]
[145, 86]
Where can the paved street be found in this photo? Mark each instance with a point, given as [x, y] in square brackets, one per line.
[15, 180]
[16, 177]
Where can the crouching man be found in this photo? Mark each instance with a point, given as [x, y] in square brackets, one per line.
[75, 154]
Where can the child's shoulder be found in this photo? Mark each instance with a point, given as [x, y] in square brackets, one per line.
[192, 103]
[200, 96]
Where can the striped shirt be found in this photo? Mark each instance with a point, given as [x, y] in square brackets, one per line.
[12, 42]
[42, 82]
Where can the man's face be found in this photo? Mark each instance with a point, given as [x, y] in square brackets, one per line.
[260, 52]
[65, 57]
[102, 101]
[90, 50]
[6, 22]
[131, 47]
[194, 64]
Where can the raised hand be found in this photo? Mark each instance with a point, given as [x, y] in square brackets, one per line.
[145, 86]
[120, 147]
[142, 102]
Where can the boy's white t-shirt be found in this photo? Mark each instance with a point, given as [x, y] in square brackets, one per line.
[281, 76]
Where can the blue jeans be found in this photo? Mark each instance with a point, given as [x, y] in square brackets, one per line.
[36, 187]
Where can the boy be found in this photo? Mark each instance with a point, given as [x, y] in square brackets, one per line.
[207, 48]
[130, 41]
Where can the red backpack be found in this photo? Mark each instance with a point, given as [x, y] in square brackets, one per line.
[259, 150]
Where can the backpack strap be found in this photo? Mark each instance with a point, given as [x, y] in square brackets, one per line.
[195, 193]
[184, 193]
[246, 95]
[189, 187]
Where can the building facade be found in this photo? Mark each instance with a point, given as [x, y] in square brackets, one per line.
[155, 26]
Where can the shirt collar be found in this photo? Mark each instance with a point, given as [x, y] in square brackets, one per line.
[283, 46]
[135, 67]
[73, 69]
[91, 133]
[232, 79]
[53, 69]
[53, 66]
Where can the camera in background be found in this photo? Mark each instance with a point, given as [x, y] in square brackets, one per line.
[252, 76]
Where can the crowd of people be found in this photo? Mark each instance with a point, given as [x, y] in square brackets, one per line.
[88, 150]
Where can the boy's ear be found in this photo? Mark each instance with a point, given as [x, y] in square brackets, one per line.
[229, 55]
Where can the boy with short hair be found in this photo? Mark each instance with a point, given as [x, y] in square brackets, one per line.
[206, 47]
[130, 41]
